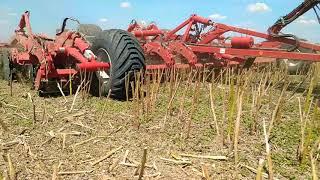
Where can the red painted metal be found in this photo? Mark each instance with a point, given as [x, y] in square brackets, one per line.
[154, 48]
[92, 66]
[147, 33]
[66, 51]
[242, 42]
[258, 53]
[181, 49]
[199, 38]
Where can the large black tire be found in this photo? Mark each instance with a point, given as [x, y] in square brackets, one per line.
[125, 55]
[4, 65]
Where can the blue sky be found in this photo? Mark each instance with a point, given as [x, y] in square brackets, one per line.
[47, 15]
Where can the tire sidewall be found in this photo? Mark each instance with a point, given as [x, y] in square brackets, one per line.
[105, 44]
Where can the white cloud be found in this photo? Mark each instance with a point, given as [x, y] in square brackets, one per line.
[12, 14]
[217, 17]
[306, 21]
[258, 7]
[103, 20]
[125, 4]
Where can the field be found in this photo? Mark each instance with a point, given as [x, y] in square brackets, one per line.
[179, 125]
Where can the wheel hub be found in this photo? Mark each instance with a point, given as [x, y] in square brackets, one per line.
[103, 56]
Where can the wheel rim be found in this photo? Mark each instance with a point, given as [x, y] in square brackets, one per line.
[103, 56]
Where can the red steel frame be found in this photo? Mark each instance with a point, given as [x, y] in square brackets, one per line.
[45, 53]
[191, 45]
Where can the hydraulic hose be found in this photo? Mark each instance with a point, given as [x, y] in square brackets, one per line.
[64, 24]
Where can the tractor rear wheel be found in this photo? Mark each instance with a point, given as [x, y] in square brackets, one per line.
[125, 55]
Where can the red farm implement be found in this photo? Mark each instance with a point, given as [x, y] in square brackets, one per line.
[199, 42]
[109, 59]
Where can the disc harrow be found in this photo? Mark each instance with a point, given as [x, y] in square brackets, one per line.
[201, 42]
